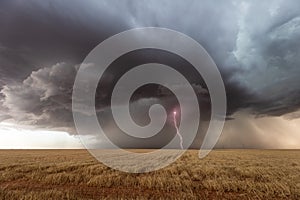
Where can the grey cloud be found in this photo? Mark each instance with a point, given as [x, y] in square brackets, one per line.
[255, 45]
[269, 54]
[36, 34]
[42, 99]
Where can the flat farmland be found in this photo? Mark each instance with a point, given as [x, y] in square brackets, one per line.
[223, 174]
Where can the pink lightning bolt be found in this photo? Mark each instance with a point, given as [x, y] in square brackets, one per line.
[177, 130]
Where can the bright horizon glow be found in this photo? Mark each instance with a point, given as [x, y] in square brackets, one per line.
[19, 138]
[285, 135]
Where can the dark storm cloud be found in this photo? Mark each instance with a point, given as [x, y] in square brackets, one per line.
[37, 34]
[268, 51]
[254, 44]
[43, 99]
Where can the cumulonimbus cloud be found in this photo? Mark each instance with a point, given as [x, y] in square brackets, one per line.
[254, 44]
[43, 98]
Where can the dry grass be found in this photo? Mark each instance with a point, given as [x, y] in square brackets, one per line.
[224, 174]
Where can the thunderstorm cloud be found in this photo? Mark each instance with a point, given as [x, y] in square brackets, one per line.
[254, 44]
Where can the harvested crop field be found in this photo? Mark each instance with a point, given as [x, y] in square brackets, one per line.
[223, 174]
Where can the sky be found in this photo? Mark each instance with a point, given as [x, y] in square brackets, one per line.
[255, 45]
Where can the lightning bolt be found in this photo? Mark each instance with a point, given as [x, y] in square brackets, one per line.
[177, 130]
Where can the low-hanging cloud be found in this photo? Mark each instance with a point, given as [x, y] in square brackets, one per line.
[42, 99]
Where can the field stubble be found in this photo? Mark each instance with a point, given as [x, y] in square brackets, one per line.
[223, 174]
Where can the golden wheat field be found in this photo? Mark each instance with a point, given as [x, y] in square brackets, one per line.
[223, 174]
